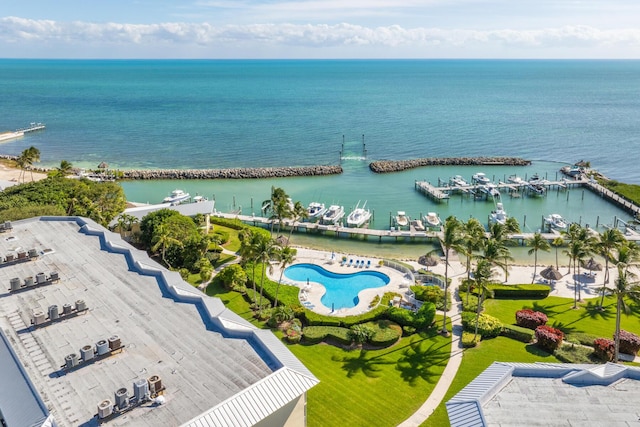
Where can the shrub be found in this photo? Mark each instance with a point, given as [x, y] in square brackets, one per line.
[571, 353]
[431, 293]
[604, 349]
[408, 330]
[549, 338]
[530, 319]
[280, 314]
[469, 339]
[361, 333]
[422, 319]
[316, 334]
[293, 335]
[385, 333]
[488, 326]
[629, 343]
[534, 291]
[518, 333]
[374, 301]
[472, 305]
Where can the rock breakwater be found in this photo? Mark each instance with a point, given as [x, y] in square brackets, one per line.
[387, 166]
[235, 173]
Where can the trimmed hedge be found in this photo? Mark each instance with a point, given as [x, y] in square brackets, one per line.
[604, 349]
[385, 333]
[528, 318]
[629, 343]
[488, 326]
[431, 293]
[235, 224]
[549, 338]
[316, 334]
[314, 319]
[518, 333]
[501, 291]
[422, 319]
[469, 339]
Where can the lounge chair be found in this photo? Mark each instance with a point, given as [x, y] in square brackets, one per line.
[357, 263]
[362, 264]
[343, 262]
[368, 263]
[350, 263]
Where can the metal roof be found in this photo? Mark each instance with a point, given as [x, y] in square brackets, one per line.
[536, 393]
[187, 209]
[214, 361]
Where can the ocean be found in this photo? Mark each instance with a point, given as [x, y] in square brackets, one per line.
[147, 114]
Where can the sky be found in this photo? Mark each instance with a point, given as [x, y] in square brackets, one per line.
[314, 29]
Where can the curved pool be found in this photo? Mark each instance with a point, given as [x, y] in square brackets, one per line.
[341, 289]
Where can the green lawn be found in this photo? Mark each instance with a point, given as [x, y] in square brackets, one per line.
[476, 360]
[375, 387]
[586, 319]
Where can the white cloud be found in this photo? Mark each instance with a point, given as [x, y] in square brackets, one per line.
[19, 31]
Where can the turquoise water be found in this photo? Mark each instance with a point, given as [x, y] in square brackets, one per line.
[246, 113]
[341, 290]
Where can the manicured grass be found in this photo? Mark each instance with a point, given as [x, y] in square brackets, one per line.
[586, 319]
[629, 191]
[234, 241]
[224, 258]
[476, 360]
[372, 387]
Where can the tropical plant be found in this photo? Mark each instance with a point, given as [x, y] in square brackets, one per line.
[298, 213]
[265, 251]
[608, 242]
[452, 238]
[285, 256]
[496, 253]
[537, 243]
[63, 170]
[623, 287]
[26, 159]
[162, 239]
[512, 226]
[556, 243]
[481, 276]
[473, 235]
[233, 277]
[361, 333]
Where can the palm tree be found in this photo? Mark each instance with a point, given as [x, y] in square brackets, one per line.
[265, 251]
[64, 169]
[29, 156]
[451, 239]
[481, 276]
[501, 234]
[537, 243]
[576, 251]
[248, 247]
[512, 226]
[496, 253]
[286, 256]
[556, 243]
[162, 239]
[473, 234]
[299, 213]
[623, 288]
[608, 241]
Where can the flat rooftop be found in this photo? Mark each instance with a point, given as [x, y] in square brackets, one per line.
[200, 365]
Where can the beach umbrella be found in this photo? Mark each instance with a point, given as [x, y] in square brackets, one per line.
[282, 240]
[103, 165]
[592, 265]
[428, 260]
[550, 273]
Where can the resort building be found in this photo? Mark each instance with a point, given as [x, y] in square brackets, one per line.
[92, 331]
[549, 394]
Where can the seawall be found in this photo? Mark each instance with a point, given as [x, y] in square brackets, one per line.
[235, 173]
[387, 166]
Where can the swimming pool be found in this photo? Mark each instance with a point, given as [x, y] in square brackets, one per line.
[341, 289]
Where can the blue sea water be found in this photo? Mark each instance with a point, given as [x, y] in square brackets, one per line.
[253, 113]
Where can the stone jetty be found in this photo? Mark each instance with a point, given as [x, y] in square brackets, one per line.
[386, 166]
[235, 173]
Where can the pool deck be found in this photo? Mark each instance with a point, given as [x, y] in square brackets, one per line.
[310, 295]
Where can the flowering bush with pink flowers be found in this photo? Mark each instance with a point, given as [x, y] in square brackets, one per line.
[604, 349]
[629, 342]
[549, 338]
[530, 319]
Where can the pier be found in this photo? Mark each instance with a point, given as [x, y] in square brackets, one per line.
[6, 136]
[441, 193]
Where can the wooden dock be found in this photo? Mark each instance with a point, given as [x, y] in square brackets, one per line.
[6, 136]
[442, 193]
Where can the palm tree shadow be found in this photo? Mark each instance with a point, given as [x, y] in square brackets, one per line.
[371, 367]
[419, 359]
[548, 309]
[564, 327]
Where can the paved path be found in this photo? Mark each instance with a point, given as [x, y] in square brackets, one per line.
[450, 371]
[203, 286]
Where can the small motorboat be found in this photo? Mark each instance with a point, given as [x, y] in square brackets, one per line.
[458, 181]
[316, 210]
[432, 219]
[499, 215]
[359, 216]
[176, 197]
[402, 220]
[417, 225]
[556, 221]
[480, 178]
[334, 214]
[515, 179]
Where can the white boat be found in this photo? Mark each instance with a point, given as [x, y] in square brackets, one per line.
[316, 210]
[359, 216]
[536, 184]
[499, 215]
[490, 189]
[535, 179]
[458, 181]
[480, 178]
[176, 197]
[432, 219]
[402, 220]
[199, 199]
[556, 221]
[334, 214]
[515, 179]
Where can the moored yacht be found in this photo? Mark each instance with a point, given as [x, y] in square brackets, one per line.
[515, 179]
[432, 219]
[458, 181]
[176, 197]
[359, 216]
[316, 210]
[556, 221]
[402, 220]
[480, 178]
[334, 214]
[499, 215]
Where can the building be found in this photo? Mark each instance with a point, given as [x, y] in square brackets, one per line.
[549, 394]
[215, 368]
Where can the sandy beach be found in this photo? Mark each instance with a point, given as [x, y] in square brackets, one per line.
[9, 176]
